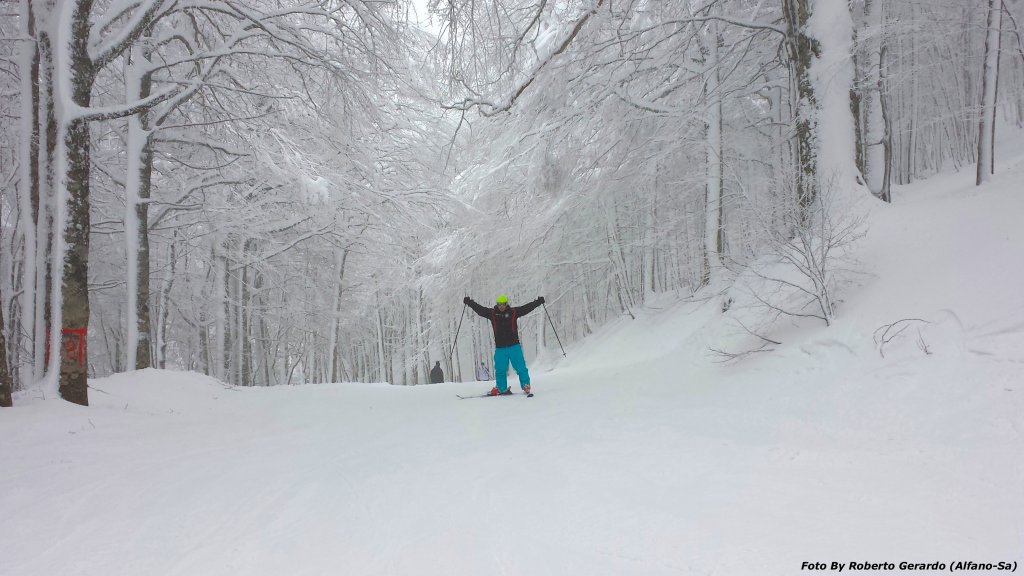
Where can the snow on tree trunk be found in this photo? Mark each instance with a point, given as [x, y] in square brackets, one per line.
[883, 89]
[238, 321]
[650, 223]
[422, 339]
[832, 77]
[29, 186]
[245, 325]
[802, 50]
[164, 309]
[73, 86]
[874, 122]
[382, 372]
[74, 314]
[820, 41]
[336, 318]
[713, 206]
[990, 77]
[74, 73]
[136, 225]
[220, 302]
[44, 202]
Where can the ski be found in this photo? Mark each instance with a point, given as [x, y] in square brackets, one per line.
[461, 397]
[485, 396]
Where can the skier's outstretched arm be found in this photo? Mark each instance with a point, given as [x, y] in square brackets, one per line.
[485, 312]
[530, 307]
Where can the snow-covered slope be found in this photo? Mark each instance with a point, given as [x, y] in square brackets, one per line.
[639, 454]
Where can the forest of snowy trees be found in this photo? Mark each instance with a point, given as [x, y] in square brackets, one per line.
[304, 190]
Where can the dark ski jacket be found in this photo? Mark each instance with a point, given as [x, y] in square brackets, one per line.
[506, 329]
[436, 375]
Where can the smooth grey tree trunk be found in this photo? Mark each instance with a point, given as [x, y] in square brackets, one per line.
[6, 382]
[990, 78]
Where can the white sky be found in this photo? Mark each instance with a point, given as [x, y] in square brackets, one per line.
[421, 13]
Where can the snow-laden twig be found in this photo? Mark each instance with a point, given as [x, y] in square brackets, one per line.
[888, 332]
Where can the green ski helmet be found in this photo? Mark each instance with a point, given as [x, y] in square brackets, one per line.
[502, 299]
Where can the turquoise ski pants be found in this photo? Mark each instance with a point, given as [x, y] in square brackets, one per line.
[504, 355]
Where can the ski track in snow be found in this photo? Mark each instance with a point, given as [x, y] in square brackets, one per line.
[590, 476]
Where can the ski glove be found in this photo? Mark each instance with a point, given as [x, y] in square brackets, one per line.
[465, 300]
[540, 299]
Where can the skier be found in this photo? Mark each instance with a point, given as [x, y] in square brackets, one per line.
[482, 373]
[506, 341]
[436, 374]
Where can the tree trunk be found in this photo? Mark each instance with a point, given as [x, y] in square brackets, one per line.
[74, 301]
[165, 306]
[267, 357]
[6, 383]
[381, 365]
[143, 355]
[875, 133]
[44, 201]
[336, 320]
[989, 79]
[883, 91]
[29, 193]
[75, 285]
[714, 191]
[220, 354]
[204, 346]
[138, 85]
[912, 126]
[821, 50]
[237, 323]
[802, 51]
[245, 319]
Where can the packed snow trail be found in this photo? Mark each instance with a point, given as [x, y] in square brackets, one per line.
[591, 477]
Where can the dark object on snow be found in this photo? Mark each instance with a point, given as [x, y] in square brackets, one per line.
[482, 373]
[436, 374]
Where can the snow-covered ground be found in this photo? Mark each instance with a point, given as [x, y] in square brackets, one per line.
[639, 454]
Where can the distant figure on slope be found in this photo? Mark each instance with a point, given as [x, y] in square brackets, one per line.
[482, 373]
[506, 340]
[436, 374]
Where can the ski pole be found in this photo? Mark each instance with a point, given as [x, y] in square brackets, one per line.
[548, 316]
[451, 355]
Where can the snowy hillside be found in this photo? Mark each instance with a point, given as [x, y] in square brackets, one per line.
[639, 454]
